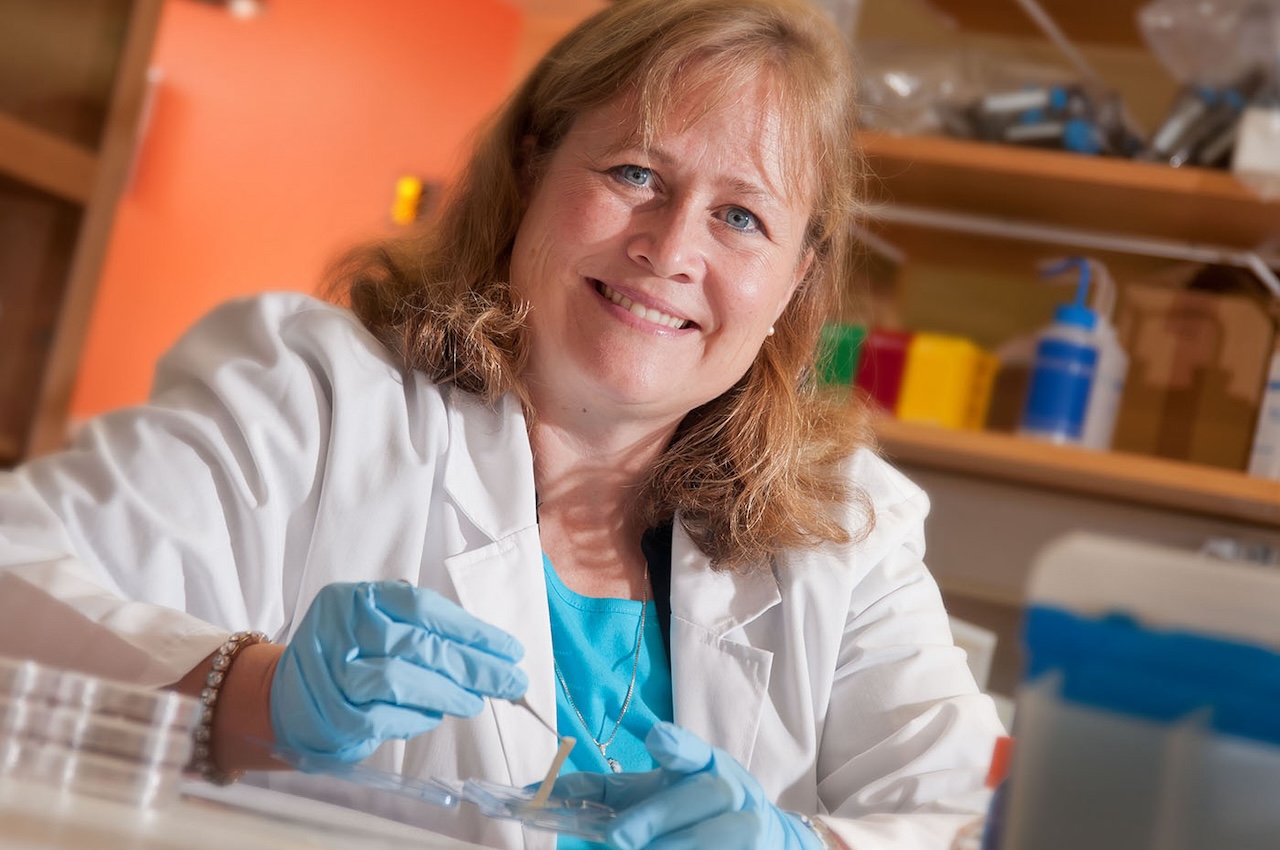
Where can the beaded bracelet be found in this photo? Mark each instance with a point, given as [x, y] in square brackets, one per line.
[202, 753]
[820, 829]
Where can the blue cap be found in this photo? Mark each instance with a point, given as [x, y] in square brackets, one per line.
[1080, 136]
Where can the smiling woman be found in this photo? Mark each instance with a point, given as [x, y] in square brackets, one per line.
[563, 449]
[772, 97]
[651, 284]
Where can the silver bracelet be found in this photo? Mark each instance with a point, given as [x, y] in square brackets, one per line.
[820, 829]
[202, 752]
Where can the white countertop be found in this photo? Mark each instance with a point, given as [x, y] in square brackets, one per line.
[239, 817]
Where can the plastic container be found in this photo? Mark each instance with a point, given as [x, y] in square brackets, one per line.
[92, 736]
[881, 366]
[947, 382]
[1147, 718]
[839, 350]
[1078, 375]
[1264, 456]
[1112, 370]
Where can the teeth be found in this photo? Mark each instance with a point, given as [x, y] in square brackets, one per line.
[647, 313]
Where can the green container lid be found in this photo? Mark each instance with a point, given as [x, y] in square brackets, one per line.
[838, 353]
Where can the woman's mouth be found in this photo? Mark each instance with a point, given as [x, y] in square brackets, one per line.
[639, 310]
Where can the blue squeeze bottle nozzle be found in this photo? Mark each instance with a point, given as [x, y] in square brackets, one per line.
[1077, 312]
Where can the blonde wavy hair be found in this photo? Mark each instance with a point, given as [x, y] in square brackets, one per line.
[760, 468]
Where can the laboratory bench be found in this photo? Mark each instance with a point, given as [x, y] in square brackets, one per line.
[204, 817]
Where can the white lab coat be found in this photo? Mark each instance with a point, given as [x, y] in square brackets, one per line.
[283, 450]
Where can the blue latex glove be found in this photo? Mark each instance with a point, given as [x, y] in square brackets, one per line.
[381, 660]
[699, 797]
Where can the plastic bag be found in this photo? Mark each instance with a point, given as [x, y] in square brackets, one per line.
[1212, 42]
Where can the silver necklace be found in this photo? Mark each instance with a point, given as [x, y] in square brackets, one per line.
[603, 746]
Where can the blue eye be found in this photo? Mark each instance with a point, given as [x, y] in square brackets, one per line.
[636, 175]
[740, 219]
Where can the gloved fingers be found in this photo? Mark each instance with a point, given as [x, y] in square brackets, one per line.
[399, 721]
[580, 786]
[678, 749]
[365, 682]
[679, 806]
[426, 608]
[729, 831]
[474, 669]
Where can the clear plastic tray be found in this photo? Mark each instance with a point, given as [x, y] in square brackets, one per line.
[90, 773]
[93, 736]
[427, 790]
[108, 735]
[70, 689]
[581, 818]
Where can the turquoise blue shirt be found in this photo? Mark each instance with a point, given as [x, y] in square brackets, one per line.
[593, 641]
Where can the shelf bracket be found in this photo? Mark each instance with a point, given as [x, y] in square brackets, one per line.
[1001, 228]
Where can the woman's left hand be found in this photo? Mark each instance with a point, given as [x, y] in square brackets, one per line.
[699, 797]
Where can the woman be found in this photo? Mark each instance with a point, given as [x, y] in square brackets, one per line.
[563, 447]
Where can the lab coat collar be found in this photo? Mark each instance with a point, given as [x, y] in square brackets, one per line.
[719, 601]
[503, 584]
[488, 475]
[707, 610]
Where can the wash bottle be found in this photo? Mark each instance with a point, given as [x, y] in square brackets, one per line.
[1078, 375]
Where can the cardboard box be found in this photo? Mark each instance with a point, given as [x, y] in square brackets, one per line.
[1197, 368]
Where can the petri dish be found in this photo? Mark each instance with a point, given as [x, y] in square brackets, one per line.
[580, 818]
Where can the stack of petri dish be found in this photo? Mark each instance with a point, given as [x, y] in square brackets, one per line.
[93, 736]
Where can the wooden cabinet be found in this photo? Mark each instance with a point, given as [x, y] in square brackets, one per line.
[72, 86]
[968, 205]
[1208, 210]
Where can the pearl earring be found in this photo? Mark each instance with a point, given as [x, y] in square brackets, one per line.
[770, 330]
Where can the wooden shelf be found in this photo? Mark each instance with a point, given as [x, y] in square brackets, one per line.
[1025, 185]
[42, 159]
[1113, 22]
[1208, 491]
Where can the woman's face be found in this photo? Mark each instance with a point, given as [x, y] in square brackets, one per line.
[653, 277]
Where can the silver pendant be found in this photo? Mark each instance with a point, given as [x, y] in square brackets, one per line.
[613, 763]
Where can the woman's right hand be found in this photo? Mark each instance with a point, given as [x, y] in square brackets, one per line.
[380, 660]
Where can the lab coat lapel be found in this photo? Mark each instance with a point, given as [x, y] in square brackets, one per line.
[718, 681]
[503, 584]
[489, 477]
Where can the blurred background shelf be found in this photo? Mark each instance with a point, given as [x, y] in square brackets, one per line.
[1139, 479]
[1111, 22]
[46, 161]
[1043, 187]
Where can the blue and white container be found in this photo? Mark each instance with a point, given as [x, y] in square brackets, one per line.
[1147, 717]
[1063, 373]
[1078, 376]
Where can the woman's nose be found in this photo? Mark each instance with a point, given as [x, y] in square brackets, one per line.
[667, 241]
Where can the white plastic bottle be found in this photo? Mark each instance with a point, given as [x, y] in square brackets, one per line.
[1065, 368]
[1112, 368]
[1264, 458]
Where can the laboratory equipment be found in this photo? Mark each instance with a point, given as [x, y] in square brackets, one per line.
[586, 819]
[93, 736]
[947, 381]
[536, 806]
[1147, 717]
[1079, 372]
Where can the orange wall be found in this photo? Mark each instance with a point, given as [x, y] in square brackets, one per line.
[272, 144]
